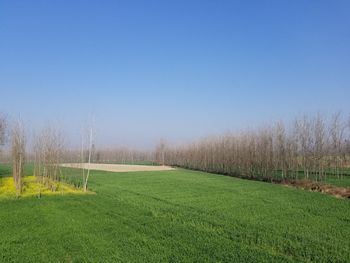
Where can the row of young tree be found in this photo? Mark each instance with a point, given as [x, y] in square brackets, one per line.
[312, 147]
[48, 149]
[47, 154]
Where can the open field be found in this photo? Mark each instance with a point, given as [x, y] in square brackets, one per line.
[177, 215]
[174, 131]
[118, 167]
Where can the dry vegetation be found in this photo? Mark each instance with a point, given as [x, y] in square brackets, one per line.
[48, 151]
[18, 155]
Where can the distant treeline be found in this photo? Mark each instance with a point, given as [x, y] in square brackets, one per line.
[118, 155]
[123, 156]
[311, 147]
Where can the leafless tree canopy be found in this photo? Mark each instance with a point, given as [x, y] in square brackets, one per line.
[48, 152]
[160, 152]
[311, 147]
[122, 155]
[18, 154]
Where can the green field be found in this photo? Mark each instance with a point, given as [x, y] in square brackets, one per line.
[175, 216]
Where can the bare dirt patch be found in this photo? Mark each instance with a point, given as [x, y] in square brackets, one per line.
[341, 192]
[118, 167]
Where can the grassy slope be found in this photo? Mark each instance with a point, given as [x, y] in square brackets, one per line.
[176, 216]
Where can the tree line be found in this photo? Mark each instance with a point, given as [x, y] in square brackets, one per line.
[311, 147]
[122, 155]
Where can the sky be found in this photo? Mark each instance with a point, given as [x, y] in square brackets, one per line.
[176, 70]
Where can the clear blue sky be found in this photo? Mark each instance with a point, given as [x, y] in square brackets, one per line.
[173, 69]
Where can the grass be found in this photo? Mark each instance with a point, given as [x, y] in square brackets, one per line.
[6, 170]
[172, 216]
[343, 181]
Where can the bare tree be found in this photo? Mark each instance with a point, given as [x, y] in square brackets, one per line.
[18, 154]
[281, 151]
[2, 130]
[3, 127]
[160, 152]
[89, 154]
[89, 159]
[336, 133]
[48, 151]
[319, 153]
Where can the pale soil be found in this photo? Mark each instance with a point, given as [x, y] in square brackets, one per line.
[118, 167]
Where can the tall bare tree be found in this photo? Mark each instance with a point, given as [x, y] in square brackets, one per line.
[18, 154]
[89, 158]
[90, 139]
[160, 152]
[2, 132]
[48, 152]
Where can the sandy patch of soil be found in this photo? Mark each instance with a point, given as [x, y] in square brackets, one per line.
[118, 167]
